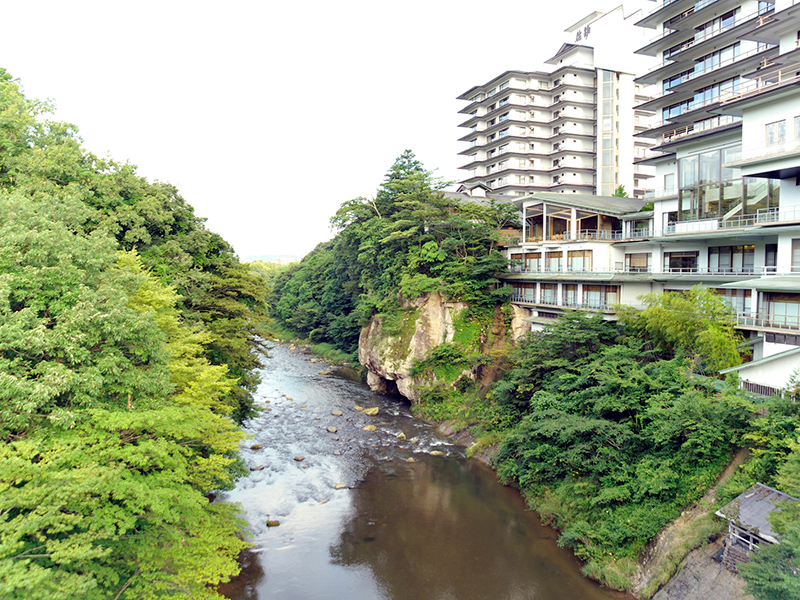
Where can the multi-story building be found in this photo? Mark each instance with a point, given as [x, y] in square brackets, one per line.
[569, 130]
[705, 52]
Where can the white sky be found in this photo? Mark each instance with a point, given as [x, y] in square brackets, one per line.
[267, 115]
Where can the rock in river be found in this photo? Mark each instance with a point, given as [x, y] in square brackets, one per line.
[336, 412]
[299, 458]
[371, 411]
[370, 428]
[332, 429]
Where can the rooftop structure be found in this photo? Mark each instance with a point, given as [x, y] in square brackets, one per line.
[748, 522]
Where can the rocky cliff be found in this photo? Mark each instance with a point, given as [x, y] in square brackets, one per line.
[388, 350]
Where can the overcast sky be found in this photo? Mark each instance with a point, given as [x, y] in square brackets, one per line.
[268, 115]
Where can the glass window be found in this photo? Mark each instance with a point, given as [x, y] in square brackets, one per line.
[579, 260]
[592, 296]
[553, 261]
[709, 167]
[795, 256]
[570, 294]
[548, 293]
[776, 133]
[640, 262]
[680, 261]
[688, 171]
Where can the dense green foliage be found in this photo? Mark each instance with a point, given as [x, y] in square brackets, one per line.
[44, 161]
[610, 440]
[127, 338]
[408, 240]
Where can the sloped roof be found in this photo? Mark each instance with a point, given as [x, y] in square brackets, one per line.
[613, 205]
[749, 510]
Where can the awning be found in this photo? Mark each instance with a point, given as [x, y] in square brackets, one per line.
[787, 283]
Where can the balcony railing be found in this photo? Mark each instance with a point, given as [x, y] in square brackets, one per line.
[516, 268]
[768, 321]
[601, 306]
[762, 150]
[709, 69]
[665, 193]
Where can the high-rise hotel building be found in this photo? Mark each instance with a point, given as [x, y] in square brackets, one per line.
[569, 130]
[704, 52]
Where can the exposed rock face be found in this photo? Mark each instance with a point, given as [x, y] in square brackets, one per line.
[388, 358]
[518, 326]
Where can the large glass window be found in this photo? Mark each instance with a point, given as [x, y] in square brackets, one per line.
[553, 260]
[533, 261]
[579, 260]
[731, 259]
[570, 294]
[679, 262]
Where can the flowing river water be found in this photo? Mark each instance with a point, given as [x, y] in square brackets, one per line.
[404, 525]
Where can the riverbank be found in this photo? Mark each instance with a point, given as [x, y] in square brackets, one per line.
[660, 565]
[440, 526]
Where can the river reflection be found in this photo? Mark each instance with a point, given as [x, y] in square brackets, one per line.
[438, 528]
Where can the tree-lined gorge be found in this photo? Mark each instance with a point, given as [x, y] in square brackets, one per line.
[129, 354]
[610, 429]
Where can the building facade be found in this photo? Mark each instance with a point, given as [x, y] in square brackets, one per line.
[568, 130]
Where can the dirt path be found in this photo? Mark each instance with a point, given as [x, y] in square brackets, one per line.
[673, 550]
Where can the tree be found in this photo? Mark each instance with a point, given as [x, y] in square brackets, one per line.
[696, 322]
[620, 192]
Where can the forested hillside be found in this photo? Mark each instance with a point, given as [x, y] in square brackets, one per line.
[408, 240]
[128, 351]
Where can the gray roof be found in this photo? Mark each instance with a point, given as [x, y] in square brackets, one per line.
[749, 510]
[613, 205]
[769, 283]
[644, 214]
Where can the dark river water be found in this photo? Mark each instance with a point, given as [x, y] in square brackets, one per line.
[406, 524]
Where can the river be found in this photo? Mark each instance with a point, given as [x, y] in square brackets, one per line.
[404, 524]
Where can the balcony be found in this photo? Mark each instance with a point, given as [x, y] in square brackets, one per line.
[596, 306]
[766, 321]
[663, 193]
[654, 101]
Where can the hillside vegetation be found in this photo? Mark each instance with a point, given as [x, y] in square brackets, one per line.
[609, 429]
[128, 353]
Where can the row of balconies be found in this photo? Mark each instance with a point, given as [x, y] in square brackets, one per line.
[699, 37]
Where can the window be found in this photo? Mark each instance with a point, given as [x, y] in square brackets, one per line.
[740, 301]
[770, 257]
[776, 133]
[503, 102]
[679, 262]
[503, 117]
[731, 259]
[639, 262]
[795, 256]
[504, 85]
[548, 293]
[579, 260]
[503, 133]
[533, 261]
[553, 261]
[570, 294]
